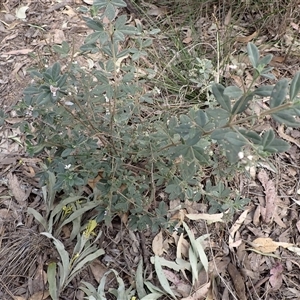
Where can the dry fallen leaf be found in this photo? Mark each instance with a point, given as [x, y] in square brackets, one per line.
[157, 244]
[200, 293]
[43, 295]
[276, 278]
[98, 269]
[235, 227]
[270, 193]
[16, 189]
[238, 281]
[246, 39]
[210, 218]
[264, 245]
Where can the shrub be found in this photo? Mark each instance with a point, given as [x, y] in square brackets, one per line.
[100, 125]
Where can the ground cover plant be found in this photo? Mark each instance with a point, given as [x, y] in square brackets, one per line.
[112, 148]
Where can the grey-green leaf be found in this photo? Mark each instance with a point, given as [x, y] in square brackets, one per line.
[285, 118]
[242, 104]
[222, 99]
[253, 54]
[295, 86]
[264, 90]
[233, 92]
[279, 93]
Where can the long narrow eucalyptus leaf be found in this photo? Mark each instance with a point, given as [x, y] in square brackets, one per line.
[63, 255]
[139, 280]
[38, 217]
[161, 277]
[51, 277]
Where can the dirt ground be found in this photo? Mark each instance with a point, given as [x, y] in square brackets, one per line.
[237, 251]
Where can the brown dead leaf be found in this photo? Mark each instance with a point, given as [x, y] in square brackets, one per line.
[210, 218]
[157, 244]
[69, 11]
[235, 227]
[264, 245]
[246, 39]
[270, 193]
[238, 281]
[43, 295]
[218, 266]
[5, 214]
[98, 269]
[17, 191]
[172, 277]
[17, 52]
[287, 137]
[276, 278]
[188, 37]
[200, 293]
[182, 247]
[157, 11]
[228, 17]
[56, 36]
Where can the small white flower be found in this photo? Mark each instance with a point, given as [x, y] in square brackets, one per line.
[241, 155]
[67, 167]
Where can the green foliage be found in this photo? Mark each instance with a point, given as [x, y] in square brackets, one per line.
[101, 122]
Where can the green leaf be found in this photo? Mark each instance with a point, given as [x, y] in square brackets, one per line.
[152, 296]
[222, 99]
[92, 38]
[264, 90]
[38, 217]
[268, 138]
[295, 86]
[251, 135]
[110, 11]
[200, 249]
[201, 118]
[265, 60]
[118, 3]
[64, 270]
[84, 262]
[31, 90]
[51, 277]
[242, 104]
[231, 141]
[283, 117]
[218, 116]
[139, 280]
[55, 71]
[95, 25]
[161, 277]
[233, 92]
[277, 145]
[279, 93]
[253, 54]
